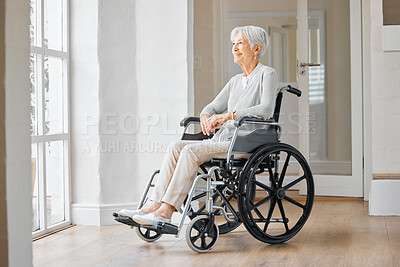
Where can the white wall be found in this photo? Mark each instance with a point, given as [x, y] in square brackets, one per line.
[385, 198]
[17, 124]
[129, 88]
[385, 93]
[84, 107]
[118, 100]
[162, 79]
[383, 115]
[209, 38]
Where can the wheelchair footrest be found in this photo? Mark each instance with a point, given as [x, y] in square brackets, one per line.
[163, 228]
[125, 220]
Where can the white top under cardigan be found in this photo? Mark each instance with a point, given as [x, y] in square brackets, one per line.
[254, 98]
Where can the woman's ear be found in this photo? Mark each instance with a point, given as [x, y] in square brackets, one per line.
[257, 49]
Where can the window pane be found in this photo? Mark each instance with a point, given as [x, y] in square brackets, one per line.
[330, 88]
[35, 188]
[33, 77]
[391, 12]
[55, 182]
[33, 34]
[54, 104]
[53, 28]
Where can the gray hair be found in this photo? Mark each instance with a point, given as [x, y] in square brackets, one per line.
[255, 35]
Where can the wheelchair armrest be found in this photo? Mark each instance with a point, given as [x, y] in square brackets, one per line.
[193, 136]
[186, 121]
[240, 121]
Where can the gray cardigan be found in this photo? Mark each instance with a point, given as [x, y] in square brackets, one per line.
[257, 100]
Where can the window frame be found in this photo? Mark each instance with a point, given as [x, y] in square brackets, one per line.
[40, 138]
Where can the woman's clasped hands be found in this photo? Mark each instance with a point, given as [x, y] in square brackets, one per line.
[210, 123]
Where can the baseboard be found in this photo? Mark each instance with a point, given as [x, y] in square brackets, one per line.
[384, 199]
[387, 176]
[97, 214]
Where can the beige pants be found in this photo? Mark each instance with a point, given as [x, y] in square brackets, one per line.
[180, 167]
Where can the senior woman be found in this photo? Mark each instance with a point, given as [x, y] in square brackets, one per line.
[251, 93]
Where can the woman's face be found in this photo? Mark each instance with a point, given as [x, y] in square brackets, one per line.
[241, 50]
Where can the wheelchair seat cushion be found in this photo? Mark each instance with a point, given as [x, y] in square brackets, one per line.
[221, 161]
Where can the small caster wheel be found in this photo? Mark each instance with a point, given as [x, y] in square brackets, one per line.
[147, 234]
[202, 234]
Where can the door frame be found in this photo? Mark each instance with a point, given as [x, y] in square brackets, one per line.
[335, 185]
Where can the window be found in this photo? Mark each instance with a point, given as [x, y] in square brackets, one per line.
[391, 12]
[49, 115]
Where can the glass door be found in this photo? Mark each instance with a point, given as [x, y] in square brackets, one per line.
[329, 75]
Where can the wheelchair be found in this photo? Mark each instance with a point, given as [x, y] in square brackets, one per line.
[257, 191]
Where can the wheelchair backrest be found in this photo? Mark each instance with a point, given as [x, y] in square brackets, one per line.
[251, 142]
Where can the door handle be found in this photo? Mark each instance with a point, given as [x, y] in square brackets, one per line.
[304, 65]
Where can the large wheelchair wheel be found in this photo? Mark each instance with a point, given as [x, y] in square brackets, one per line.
[270, 209]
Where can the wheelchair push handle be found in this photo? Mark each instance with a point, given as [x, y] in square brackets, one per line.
[294, 90]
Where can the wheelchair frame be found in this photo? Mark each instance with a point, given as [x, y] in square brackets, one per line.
[247, 187]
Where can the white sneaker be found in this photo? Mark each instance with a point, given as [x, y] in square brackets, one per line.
[130, 213]
[149, 219]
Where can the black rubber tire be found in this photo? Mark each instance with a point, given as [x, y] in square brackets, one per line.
[147, 234]
[199, 229]
[274, 193]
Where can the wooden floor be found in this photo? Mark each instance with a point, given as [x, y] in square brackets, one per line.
[339, 232]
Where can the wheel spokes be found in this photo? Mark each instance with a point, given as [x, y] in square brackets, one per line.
[271, 210]
[147, 233]
[261, 202]
[203, 242]
[284, 170]
[211, 234]
[291, 200]
[263, 186]
[271, 174]
[259, 214]
[198, 226]
[195, 238]
[283, 215]
[298, 180]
